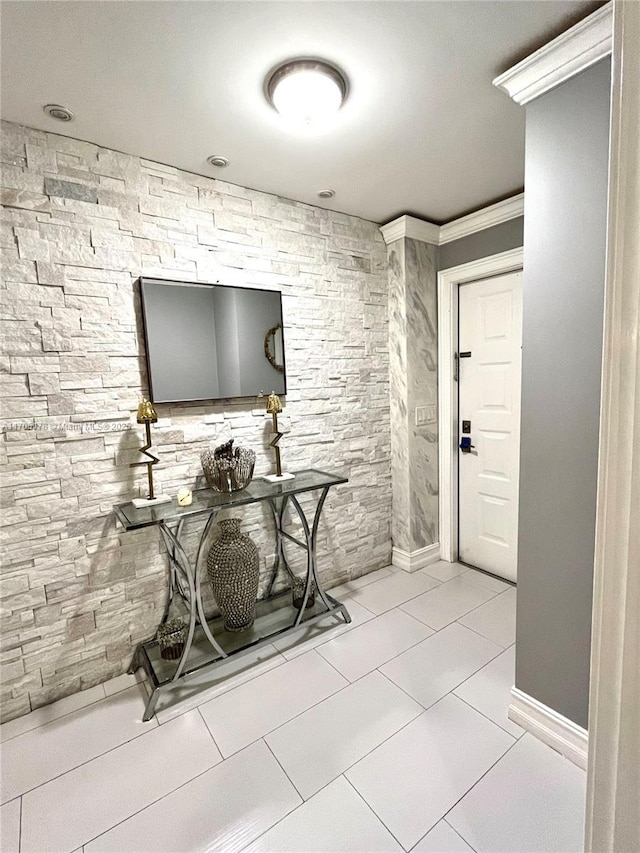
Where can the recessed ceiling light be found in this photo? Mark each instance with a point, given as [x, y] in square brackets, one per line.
[218, 160]
[306, 91]
[326, 193]
[58, 112]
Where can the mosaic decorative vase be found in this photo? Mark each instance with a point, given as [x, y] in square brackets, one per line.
[233, 568]
[171, 638]
[297, 590]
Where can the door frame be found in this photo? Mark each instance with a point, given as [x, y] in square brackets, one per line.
[448, 282]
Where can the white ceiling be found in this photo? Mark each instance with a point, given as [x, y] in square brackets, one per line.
[423, 131]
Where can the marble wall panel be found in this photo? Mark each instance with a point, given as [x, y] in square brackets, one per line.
[413, 384]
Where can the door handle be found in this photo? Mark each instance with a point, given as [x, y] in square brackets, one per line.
[465, 444]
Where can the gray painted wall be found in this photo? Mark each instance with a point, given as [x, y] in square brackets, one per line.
[491, 241]
[564, 269]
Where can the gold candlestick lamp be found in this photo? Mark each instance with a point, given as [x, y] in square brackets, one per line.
[274, 407]
[147, 416]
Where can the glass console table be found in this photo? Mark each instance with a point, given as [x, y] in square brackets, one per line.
[208, 644]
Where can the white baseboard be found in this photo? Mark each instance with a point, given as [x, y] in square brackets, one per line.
[411, 561]
[561, 734]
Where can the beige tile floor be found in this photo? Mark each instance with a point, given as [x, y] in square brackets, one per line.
[390, 734]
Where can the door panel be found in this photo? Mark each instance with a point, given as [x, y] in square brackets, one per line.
[490, 329]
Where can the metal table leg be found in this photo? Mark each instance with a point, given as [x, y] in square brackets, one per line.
[196, 610]
[312, 572]
[278, 516]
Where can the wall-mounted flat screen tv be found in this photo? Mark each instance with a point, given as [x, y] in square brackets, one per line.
[211, 341]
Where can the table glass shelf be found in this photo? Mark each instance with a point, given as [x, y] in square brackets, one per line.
[274, 616]
[206, 500]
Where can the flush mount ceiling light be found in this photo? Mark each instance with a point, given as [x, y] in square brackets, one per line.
[58, 112]
[326, 193]
[307, 92]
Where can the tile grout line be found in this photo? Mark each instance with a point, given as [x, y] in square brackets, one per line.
[422, 711]
[478, 711]
[495, 657]
[148, 805]
[362, 586]
[435, 631]
[83, 763]
[371, 809]
[385, 662]
[402, 690]
[346, 627]
[335, 669]
[264, 735]
[319, 702]
[468, 791]
[453, 829]
[493, 597]
[453, 689]
[491, 660]
[62, 716]
[407, 600]
[206, 700]
[197, 710]
[293, 785]
[330, 696]
[344, 771]
[464, 615]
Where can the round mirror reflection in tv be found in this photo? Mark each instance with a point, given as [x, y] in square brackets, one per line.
[273, 348]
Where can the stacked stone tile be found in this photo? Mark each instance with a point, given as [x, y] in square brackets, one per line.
[79, 225]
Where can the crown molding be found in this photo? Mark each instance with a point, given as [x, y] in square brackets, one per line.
[495, 214]
[564, 57]
[427, 232]
[409, 226]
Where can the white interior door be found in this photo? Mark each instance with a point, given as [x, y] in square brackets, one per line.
[489, 375]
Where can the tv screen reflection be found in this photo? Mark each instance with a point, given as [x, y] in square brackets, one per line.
[211, 341]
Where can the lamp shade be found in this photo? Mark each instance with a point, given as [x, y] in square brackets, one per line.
[146, 412]
[306, 92]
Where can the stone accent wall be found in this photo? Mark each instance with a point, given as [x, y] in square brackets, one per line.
[413, 322]
[79, 225]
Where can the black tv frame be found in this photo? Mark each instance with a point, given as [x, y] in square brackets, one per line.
[138, 284]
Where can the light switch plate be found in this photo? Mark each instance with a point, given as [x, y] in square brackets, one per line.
[425, 415]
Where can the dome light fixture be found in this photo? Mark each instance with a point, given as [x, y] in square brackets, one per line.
[326, 193]
[306, 92]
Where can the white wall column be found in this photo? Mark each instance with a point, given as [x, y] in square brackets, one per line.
[614, 718]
